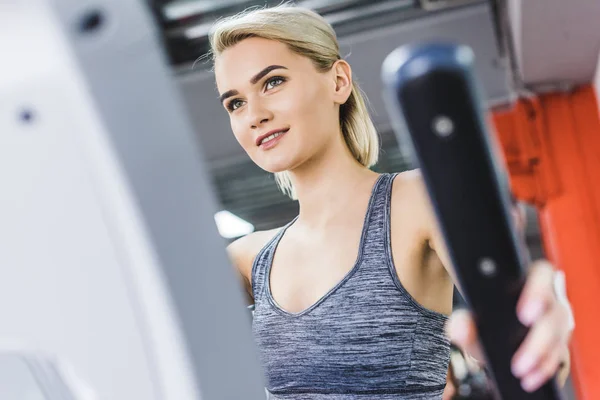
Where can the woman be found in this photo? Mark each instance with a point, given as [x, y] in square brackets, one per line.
[352, 297]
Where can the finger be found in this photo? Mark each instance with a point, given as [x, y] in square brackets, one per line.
[538, 293]
[546, 370]
[564, 367]
[463, 333]
[546, 335]
[449, 391]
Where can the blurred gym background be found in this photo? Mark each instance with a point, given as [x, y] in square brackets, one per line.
[367, 30]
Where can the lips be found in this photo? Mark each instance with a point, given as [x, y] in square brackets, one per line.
[266, 135]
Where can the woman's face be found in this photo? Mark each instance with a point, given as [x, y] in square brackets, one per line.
[282, 110]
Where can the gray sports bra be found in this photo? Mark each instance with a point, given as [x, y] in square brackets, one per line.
[367, 338]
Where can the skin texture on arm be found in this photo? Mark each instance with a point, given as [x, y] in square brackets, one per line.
[242, 253]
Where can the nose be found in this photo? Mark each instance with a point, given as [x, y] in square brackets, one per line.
[258, 114]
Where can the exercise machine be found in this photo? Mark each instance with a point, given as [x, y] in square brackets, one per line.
[114, 281]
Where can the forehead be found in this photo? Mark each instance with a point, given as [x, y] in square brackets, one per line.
[236, 65]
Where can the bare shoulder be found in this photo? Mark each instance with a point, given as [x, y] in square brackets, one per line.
[409, 190]
[244, 250]
[413, 179]
[413, 206]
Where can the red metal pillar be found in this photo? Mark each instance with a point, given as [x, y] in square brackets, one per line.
[551, 146]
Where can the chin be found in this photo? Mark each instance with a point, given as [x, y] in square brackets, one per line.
[273, 165]
[274, 168]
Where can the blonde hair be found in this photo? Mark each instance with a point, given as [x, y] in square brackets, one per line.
[308, 34]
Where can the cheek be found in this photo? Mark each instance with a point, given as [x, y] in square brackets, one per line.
[305, 106]
[313, 98]
[315, 115]
[241, 135]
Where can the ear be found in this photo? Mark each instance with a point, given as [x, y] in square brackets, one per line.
[342, 74]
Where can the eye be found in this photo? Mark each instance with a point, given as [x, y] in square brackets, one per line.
[274, 81]
[234, 104]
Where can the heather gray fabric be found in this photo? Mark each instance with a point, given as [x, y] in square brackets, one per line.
[367, 338]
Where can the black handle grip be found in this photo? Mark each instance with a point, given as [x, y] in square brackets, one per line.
[435, 109]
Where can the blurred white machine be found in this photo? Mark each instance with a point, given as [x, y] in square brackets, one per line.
[114, 283]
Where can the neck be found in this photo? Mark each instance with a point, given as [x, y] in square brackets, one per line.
[327, 185]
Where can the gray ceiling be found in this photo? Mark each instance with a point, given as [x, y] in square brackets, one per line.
[556, 41]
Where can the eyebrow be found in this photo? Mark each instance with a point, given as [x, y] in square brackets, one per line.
[253, 80]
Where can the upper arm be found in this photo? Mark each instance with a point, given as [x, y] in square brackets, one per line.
[430, 230]
[421, 264]
[242, 253]
[240, 256]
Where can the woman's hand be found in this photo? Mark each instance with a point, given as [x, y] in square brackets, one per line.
[544, 352]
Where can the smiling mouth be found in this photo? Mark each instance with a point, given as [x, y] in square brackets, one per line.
[272, 136]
